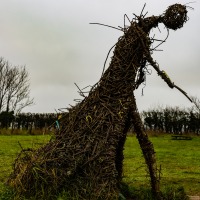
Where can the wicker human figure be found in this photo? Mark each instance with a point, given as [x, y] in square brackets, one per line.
[86, 157]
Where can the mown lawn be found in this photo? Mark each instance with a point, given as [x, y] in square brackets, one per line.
[10, 147]
[179, 160]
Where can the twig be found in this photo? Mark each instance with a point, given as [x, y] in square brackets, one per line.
[104, 65]
[142, 10]
[81, 93]
[106, 26]
[183, 92]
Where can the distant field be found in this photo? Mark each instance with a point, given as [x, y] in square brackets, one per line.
[179, 160]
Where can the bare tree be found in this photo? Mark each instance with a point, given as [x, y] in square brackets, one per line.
[4, 70]
[196, 102]
[14, 87]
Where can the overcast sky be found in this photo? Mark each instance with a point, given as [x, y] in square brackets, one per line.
[58, 46]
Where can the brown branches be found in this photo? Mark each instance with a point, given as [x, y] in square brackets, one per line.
[86, 157]
[175, 16]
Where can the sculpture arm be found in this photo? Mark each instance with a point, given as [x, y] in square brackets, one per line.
[164, 75]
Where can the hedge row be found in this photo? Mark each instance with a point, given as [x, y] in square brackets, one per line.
[172, 120]
[27, 121]
[169, 120]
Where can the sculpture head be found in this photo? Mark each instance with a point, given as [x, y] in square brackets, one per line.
[175, 16]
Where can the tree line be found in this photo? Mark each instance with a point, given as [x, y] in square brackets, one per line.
[172, 120]
[168, 120]
[28, 121]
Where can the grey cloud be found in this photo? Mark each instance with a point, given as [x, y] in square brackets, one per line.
[59, 47]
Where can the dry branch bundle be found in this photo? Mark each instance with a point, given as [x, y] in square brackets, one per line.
[175, 16]
[86, 157]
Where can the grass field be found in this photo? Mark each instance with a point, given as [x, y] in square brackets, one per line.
[10, 147]
[179, 160]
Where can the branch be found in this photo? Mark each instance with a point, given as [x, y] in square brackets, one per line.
[80, 91]
[183, 92]
[165, 77]
[107, 26]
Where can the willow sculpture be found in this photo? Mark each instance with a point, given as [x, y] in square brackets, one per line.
[85, 158]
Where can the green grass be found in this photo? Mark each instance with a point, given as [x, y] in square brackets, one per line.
[10, 147]
[179, 161]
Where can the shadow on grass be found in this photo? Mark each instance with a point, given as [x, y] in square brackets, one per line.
[167, 193]
[127, 193]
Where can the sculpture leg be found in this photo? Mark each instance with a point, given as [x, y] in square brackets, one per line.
[148, 152]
